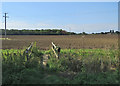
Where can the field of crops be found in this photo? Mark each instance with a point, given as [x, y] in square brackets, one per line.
[102, 41]
[75, 66]
[84, 59]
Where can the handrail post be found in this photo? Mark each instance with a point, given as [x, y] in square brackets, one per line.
[27, 54]
[28, 49]
[56, 50]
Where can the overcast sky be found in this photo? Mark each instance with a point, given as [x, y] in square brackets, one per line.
[71, 16]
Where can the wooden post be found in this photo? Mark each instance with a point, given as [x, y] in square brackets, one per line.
[27, 54]
[59, 52]
[56, 50]
[27, 50]
[54, 46]
[41, 62]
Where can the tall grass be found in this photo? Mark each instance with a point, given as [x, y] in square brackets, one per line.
[75, 66]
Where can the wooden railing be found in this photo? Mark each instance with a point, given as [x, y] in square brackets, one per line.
[28, 50]
[56, 50]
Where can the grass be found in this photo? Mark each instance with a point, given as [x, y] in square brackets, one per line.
[75, 66]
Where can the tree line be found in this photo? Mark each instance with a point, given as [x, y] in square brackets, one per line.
[37, 32]
[48, 32]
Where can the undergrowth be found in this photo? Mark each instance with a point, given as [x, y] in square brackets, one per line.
[90, 66]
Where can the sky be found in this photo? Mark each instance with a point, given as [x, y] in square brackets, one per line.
[71, 16]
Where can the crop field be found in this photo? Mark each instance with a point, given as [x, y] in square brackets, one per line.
[64, 41]
[83, 59]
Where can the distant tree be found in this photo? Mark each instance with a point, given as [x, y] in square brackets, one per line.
[84, 33]
[37, 32]
[111, 31]
[79, 33]
[102, 32]
[117, 32]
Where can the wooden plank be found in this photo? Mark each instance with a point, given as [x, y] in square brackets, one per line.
[55, 53]
[28, 49]
[54, 45]
[30, 46]
[56, 50]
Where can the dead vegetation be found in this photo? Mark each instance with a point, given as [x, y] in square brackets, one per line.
[106, 41]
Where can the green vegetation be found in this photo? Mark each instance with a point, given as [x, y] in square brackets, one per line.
[37, 32]
[75, 66]
[48, 32]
